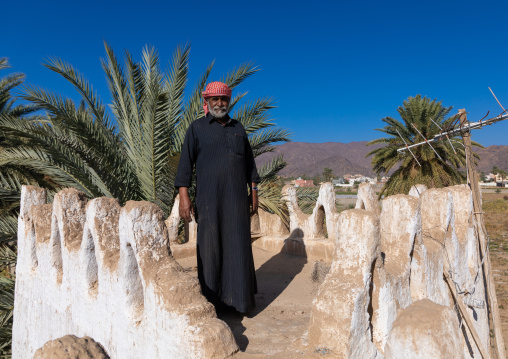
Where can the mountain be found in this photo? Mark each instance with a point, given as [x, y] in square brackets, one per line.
[343, 158]
[492, 156]
[312, 158]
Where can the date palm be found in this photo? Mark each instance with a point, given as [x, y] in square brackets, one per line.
[128, 151]
[11, 179]
[131, 150]
[433, 171]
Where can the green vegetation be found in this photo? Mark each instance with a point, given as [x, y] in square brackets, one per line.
[11, 179]
[434, 171]
[497, 171]
[328, 175]
[498, 205]
[307, 197]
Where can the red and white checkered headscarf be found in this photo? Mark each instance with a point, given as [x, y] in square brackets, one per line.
[215, 89]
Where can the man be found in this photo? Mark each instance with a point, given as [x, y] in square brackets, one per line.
[219, 148]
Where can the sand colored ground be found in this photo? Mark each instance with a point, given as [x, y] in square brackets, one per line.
[497, 228]
[276, 326]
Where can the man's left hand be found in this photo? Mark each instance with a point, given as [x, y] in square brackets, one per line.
[254, 202]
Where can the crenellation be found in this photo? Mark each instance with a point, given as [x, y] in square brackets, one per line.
[341, 304]
[173, 221]
[400, 221]
[107, 272]
[94, 268]
[367, 198]
[421, 238]
[310, 226]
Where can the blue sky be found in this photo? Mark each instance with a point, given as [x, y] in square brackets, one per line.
[335, 68]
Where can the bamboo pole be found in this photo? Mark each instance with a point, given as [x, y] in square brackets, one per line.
[478, 215]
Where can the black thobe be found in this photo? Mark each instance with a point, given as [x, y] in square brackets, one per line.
[224, 166]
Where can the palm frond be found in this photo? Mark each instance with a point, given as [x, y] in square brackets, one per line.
[270, 170]
[239, 74]
[260, 140]
[435, 171]
[82, 86]
[192, 110]
[307, 197]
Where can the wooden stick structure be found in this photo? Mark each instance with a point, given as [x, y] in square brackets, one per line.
[499, 103]
[448, 138]
[402, 138]
[482, 239]
[426, 141]
[453, 131]
[483, 352]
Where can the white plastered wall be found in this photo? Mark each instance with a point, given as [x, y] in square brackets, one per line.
[103, 271]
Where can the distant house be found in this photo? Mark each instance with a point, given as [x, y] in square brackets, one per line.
[358, 178]
[371, 180]
[341, 182]
[497, 179]
[491, 177]
[303, 183]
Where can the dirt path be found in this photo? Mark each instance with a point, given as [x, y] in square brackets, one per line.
[275, 327]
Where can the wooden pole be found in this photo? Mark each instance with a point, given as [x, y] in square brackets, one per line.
[467, 319]
[481, 231]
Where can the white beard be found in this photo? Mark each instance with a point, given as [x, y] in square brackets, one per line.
[218, 112]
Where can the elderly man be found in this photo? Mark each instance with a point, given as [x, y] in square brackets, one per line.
[218, 147]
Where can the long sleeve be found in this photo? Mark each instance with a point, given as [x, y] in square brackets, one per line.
[187, 160]
[252, 172]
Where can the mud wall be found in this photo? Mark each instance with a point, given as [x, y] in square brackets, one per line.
[385, 294]
[93, 268]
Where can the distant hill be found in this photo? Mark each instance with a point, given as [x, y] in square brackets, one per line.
[343, 158]
[492, 156]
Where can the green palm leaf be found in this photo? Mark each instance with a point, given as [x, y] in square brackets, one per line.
[435, 171]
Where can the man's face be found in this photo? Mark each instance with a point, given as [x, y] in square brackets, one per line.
[218, 106]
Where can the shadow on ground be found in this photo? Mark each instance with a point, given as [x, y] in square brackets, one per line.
[273, 277]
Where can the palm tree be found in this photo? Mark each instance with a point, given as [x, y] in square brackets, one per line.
[426, 167]
[131, 151]
[327, 174]
[11, 179]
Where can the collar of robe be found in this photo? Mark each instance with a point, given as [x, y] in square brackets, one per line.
[227, 119]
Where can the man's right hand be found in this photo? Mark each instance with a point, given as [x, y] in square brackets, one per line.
[185, 208]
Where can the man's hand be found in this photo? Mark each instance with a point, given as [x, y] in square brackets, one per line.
[254, 202]
[185, 208]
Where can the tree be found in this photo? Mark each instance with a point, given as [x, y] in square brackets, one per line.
[316, 180]
[131, 152]
[328, 174]
[11, 179]
[495, 170]
[434, 172]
